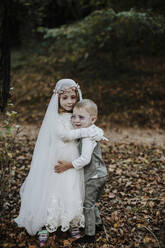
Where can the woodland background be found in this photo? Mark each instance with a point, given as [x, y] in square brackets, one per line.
[115, 50]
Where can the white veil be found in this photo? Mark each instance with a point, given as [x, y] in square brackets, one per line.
[34, 190]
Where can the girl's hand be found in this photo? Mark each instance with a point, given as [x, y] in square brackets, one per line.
[94, 132]
[62, 166]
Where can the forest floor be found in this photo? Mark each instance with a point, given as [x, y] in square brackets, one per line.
[133, 204]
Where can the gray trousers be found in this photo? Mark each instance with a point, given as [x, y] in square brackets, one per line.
[93, 190]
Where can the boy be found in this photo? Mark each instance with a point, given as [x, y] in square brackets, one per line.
[95, 172]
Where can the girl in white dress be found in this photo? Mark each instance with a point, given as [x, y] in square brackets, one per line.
[47, 198]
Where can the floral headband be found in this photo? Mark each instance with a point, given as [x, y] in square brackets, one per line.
[58, 92]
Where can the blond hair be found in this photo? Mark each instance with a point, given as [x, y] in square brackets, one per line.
[89, 106]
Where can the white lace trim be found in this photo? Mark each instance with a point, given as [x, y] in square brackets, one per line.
[59, 215]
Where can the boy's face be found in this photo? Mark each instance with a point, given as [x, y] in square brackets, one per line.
[81, 118]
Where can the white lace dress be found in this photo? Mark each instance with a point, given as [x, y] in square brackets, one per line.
[51, 199]
[65, 206]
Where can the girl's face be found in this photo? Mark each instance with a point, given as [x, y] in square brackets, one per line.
[68, 100]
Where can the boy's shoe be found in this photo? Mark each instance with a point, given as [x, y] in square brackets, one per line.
[85, 239]
[43, 237]
[99, 228]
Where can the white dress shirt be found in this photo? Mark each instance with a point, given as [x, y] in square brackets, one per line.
[88, 146]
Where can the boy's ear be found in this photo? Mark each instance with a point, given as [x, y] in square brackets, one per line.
[94, 118]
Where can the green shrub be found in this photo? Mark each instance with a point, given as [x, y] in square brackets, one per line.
[110, 37]
[8, 134]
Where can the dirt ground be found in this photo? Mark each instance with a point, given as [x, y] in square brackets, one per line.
[119, 135]
[137, 136]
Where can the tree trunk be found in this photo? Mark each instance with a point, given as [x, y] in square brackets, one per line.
[5, 6]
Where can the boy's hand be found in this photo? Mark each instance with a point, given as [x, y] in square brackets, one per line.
[62, 166]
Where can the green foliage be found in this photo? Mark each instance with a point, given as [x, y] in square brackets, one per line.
[27, 15]
[156, 6]
[8, 134]
[114, 36]
[8, 126]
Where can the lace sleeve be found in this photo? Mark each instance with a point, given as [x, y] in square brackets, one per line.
[65, 132]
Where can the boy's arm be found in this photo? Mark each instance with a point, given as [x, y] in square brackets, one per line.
[88, 146]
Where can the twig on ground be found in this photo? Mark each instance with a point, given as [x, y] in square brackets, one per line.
[106, 234]
[152, 234]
